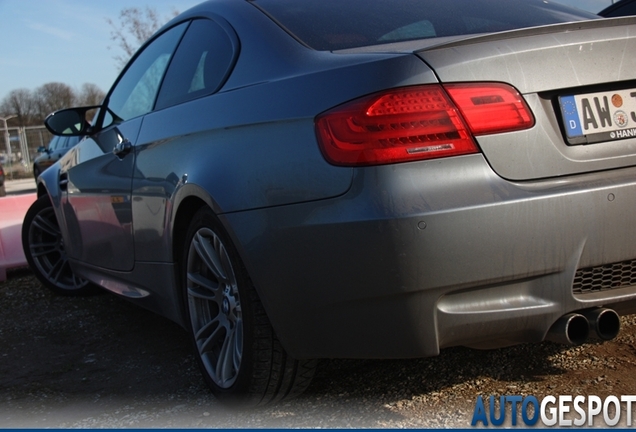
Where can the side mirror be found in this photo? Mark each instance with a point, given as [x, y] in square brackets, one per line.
[69, 122]
[42, 149]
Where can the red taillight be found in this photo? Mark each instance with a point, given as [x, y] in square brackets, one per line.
[491, 107]
[400, 125]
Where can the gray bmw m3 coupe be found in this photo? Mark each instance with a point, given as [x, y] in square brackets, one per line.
[292, 180]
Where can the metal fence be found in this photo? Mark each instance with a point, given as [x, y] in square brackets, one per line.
[17, 155]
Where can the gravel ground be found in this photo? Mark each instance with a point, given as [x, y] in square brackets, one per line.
[101, 362]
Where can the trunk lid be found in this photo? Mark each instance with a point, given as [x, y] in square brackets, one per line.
[583, 64]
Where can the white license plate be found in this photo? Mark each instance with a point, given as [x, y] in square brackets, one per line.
[595, 117]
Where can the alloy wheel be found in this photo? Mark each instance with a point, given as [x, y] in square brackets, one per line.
[46, 249]
[215, 307]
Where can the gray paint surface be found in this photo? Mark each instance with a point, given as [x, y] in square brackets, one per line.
[383, 261]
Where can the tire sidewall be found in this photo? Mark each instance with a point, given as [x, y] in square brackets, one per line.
[42, 203]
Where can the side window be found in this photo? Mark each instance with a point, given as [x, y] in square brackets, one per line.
[201, 64]
[136, 91]
[62, 143]
[71, 141]
[53, 143]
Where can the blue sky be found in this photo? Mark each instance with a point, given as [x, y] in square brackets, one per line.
[68, 40]
[63, 40]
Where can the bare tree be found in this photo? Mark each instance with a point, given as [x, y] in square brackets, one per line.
[52, 97]
[32, 107]
[135, 26]
[21, 103]
[90, 95]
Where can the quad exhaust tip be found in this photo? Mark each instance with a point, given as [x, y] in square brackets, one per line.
[570, 329]
[604, 323]
[575, 328]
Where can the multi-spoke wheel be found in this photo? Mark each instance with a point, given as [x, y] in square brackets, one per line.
[215, 307]
[238, 351]
[44, 250]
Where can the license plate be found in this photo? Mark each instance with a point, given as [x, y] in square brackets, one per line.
[596, 117]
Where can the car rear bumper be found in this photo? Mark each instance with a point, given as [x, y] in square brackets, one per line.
[421, 256]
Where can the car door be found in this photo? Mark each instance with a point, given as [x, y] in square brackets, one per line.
[201, 65]
[96, 175]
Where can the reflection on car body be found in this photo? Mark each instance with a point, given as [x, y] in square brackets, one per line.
[382, 187]
[57, 147]
[620, 8]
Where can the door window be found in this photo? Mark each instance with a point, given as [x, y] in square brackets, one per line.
[135, 92]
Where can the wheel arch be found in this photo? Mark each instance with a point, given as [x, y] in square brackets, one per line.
[189, 199]
[41, 190]
[183, 216]
[187, 205]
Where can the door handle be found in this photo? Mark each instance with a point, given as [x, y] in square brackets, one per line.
[122, 148]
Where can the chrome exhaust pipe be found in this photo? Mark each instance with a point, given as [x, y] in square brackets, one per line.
[570, 329]
[604, 323]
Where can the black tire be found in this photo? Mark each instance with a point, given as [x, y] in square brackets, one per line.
[3, 191]
[36, 173]
[43, 247]
[238, 352]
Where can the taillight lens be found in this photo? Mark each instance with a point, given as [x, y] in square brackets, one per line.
[491, 107]
[407, 124]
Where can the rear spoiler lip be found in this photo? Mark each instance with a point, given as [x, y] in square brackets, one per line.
[423, 45]
[536, 31]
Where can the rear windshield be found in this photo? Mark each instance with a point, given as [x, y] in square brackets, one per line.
[341, 24]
